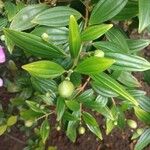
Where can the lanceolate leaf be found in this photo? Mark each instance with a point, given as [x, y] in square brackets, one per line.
[33, 44]
[128, 12]
[74, 37]
[110, 83]
[144, 14]
[44, 130]
[144, 140]
[94, 65]
[137, 45]
[115, 35]
[60, 108]
[57, 16]
[92, 124]
[57, 35]
[105, 10]
[44, 69]
[108, 46]
[94, 32]
[128, 62]
[23, 18]
[142, 115]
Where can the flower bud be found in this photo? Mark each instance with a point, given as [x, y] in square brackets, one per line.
[28, 123]
[99, 53]
[1, 82]
[81, 130]
[45, 37]
[2, 55]
[132, 123]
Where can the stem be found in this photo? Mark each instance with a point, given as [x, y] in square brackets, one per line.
[44, 116]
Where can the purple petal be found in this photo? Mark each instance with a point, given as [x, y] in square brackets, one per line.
[1, 82]
[2, 55]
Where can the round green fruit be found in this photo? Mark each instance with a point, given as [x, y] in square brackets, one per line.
[81, 130]
[65, 89]
[28, 123]
[99, 53]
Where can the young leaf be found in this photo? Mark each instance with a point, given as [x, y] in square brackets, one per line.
[110, 83]
[33, 44]
[94, 65]
[57, 16]
[128, 12]
[3, 23]
[11, 120]
[60, 108]
[45, 130]
[144, 14]
[92, 124]
[103, 12]
[147, 76]
[127, 62]
[3, 128]
[73, 105]
[22, 20]
[44, 69]
[144, 140]
[109, 126]
[115, 35]
[93, 32]
[74, 37]
[69, 117]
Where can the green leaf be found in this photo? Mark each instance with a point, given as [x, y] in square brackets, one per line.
[73, 105]
[109, 126]
[110, 83]
[45, 130]
[35, 106]
[93, 32]
[108, 46]
[117, 36]
[3, 128]
[57, 16]
[10, 9]
[22, 20]
[137, 45]
[147, 76]
[69, 117]
[11, 120]
[3, 23]
[128, 79]
[57, 35]
[143, 141]
[92, 124]
[144, 14]
[60, 108]
[33, 44]
[74, 37]
[43, 85]
[44, 69]
[142, 115]
[127, 62]
[94, 65]
[128, 12]
[103, 12]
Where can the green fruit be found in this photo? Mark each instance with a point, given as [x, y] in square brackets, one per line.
[132, 123]
[99, 53]
[58, 128]
[28, 123]
[81, 130]
[45, 37]
[65, 89]
[140, 131]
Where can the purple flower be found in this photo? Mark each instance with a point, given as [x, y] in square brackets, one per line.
[1, 82]
[2, 55]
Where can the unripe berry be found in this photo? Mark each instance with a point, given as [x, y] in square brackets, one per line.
[81, 130]
[58, 128]
[132, 123]
[45, 36]
[99, 53]
[28, 123]
[65, 89]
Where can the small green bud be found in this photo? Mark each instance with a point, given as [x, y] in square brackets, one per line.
[58, 128]
[2, 37]
[42, 107]
[28, 123]
[81, 130]
[132, 123]
[115, 123]
[45, 37]
[65, 89]
[99, 53]
[139, 131]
